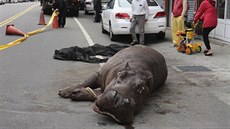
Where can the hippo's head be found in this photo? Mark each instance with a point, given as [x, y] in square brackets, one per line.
[125, 94]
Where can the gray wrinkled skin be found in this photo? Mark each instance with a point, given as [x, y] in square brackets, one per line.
[126, 80]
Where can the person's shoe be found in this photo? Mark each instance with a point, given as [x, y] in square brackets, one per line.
[134, 43]
[205, 51]
[209, 53]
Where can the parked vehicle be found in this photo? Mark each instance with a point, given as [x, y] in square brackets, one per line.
[89, 5]
[116, 19]
[72, 7]
[2, 2]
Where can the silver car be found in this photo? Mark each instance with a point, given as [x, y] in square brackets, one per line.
[89, 5]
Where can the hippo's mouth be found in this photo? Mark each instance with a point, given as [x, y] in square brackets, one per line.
[97, 109]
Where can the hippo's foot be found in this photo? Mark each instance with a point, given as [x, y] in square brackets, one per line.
[66, 92]
[83, 94]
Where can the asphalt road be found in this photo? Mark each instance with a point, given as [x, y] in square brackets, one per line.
[30, 79]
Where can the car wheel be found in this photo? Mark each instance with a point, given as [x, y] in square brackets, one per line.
[76, 13]
[161, 35]
[86, 12]
[102, 29]
[111, 35]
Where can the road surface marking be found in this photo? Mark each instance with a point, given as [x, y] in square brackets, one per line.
[89, 40]
[17, 15]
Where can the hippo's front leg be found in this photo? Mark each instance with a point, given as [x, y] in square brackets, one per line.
[80, 89]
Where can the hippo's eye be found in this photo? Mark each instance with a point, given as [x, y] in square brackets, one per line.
[119, 79]
[121, 76]
[141, 86]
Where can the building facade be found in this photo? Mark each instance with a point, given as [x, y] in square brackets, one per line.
[222, 31]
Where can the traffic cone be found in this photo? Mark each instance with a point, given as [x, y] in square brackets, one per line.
[42, 19]
[11, 30]
[55, 23]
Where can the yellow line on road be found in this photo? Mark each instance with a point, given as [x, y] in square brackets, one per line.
[17, 15]
[27, 35]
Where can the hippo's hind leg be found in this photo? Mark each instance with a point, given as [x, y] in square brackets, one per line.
[79, 92]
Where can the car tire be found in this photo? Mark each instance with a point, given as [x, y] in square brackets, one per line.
[111, 35]
[102, 28]
[86, 12]
[161, 35]
[76, 13]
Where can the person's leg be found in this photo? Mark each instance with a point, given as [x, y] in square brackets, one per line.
[206, 32]
[132, 29]
[174, 30]
[141, 25]
[64, 18]
[180, 27]
[59, 20]
[97, 16]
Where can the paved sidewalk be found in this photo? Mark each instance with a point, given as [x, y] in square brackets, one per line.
[197, 96]
[218, 64]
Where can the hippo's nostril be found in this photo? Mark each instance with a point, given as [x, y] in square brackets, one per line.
[113, 94]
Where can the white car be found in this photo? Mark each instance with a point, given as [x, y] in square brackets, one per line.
[88, 6]
[116, 19]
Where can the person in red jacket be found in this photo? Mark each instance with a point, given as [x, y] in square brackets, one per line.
[207, 13]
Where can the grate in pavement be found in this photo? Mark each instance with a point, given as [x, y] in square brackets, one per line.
[193, 68]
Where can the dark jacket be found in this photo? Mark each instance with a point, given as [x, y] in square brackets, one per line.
[97, 5]
[60, 5]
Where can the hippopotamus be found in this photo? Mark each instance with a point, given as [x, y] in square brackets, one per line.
[121, 85]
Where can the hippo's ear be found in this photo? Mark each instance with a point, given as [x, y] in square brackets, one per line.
[127, 67]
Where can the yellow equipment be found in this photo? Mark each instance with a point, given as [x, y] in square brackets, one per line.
[186, 45]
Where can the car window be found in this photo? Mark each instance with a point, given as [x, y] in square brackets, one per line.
[124, 3]
[127, 3]
[151, 3]
[105, 1]
[111, 4]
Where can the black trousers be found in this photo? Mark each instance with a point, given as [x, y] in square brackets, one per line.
[97, 15]
[62, 18]
[206, 32]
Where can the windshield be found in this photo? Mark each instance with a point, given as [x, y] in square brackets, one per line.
[127, 3]
[105, 1]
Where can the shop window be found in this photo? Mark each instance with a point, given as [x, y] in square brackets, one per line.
[221, 8]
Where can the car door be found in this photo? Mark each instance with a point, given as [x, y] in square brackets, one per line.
[107, 13]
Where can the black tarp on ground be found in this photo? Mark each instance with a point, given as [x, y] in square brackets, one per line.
[87, 54]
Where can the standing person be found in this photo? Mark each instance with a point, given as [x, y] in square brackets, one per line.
[97, 8]
[140, 12]
[60, 5]
[180, 8]
[41, 2]
[207, 11]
